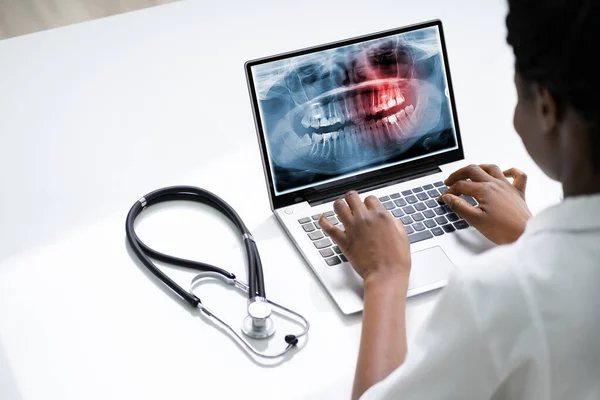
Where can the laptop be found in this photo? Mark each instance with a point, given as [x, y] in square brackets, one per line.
[375, 114]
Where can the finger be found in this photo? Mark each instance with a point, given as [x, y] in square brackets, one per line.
[493, 170]
[519, 178]
[338, 235]
[400, 226]
[468, 188]
[472, 172]
[343, 212]
[373, 203]
[356, 205]
[462, 208]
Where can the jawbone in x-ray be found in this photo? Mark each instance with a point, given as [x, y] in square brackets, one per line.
[356, 108]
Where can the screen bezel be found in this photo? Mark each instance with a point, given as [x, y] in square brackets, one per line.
[301, 195]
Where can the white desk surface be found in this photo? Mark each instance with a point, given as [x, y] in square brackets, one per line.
[94, 115]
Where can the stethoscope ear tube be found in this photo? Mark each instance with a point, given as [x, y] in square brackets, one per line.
[191, 193]
[138, 248]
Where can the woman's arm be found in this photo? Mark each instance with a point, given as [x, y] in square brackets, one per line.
[383, 339]
[378, 248]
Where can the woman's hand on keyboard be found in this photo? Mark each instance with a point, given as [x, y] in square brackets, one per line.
[375, 243]
[502, 212]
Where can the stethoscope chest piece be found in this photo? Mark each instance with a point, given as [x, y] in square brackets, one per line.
[258, 323]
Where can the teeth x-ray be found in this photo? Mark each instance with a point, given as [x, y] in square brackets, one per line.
[352, 109]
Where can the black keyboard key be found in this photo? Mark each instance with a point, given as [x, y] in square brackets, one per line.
[430, 223]
[462, 224]
[326, 252]
[409, 209]
[417, 237]
[398, 213]
[316, 217]
[417, 190]
[389, 205]
[395, 195]
[452, 217]
[428, 187]
[384, 199]
[406, 192]
[469, 200]
[316, 235]
[442, 190]
[411, 199]
[418, 217]
[431, 203]
[418, 226]
[409, 230]
[440, 211]
[406, 220]
[422, 196]
[429, 213]
[437, 231]
[434, 194]
[321, 244]
[400, 202]
[441, 220]
[304, 220]
[337, 250]
[438, 184]
[343, 257]
[308, 227]
[448, 228]
[333, 261]
[420, 207]
[329, 213]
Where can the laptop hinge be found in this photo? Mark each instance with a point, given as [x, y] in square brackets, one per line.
[325, 195]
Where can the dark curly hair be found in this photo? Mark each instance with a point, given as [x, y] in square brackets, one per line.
[555, 43]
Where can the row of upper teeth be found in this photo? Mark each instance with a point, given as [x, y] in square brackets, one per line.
[350, 130]
[351, 108]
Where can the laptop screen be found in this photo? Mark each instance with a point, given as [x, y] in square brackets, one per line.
[329, 114]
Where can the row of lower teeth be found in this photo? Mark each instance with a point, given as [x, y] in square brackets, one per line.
[393, 120]
[348, 109]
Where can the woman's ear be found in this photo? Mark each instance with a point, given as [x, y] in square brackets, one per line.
[546, 109]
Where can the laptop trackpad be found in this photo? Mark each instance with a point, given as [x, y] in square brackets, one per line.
[430, 270]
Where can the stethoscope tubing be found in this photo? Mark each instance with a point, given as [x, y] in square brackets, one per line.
[191, 193]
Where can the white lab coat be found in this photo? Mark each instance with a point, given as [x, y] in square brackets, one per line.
[519, 322]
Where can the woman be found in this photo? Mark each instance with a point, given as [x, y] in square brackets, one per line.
[522, 320]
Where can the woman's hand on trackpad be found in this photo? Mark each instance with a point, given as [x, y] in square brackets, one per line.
[502, 212]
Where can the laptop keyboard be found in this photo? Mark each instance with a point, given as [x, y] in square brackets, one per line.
[418, 209]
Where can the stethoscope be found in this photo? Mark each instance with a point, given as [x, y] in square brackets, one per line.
[258, 324]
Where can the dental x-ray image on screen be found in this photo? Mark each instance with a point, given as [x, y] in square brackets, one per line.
[352, 109]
